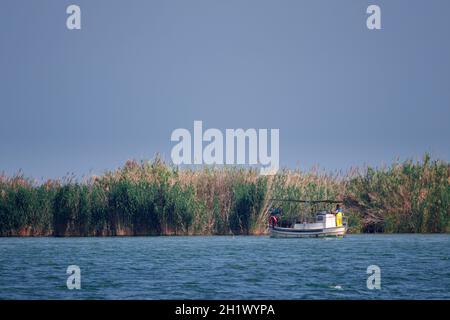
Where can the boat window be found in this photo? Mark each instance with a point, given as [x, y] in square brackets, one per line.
[320, 218]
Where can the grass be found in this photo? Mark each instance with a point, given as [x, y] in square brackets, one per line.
[152, 198]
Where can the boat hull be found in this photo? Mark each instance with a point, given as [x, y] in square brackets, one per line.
[279, 232]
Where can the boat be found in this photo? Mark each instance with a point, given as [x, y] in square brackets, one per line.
[323, 224]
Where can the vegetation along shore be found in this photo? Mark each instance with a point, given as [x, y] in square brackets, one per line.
[153, 198]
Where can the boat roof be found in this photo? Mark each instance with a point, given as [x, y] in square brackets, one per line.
[308, 201]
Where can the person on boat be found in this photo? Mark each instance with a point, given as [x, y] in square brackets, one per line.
[338, 214]
[273, 221]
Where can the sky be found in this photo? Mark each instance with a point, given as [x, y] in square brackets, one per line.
[84, 101]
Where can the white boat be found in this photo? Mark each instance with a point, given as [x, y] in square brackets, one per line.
[324, 226]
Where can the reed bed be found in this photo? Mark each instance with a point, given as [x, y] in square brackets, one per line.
[153, 198]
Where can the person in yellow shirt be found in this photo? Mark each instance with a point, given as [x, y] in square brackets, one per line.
[338, 214]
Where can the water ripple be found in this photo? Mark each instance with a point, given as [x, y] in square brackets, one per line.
[412, 267]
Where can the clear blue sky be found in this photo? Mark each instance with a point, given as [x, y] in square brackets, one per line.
[86, 101]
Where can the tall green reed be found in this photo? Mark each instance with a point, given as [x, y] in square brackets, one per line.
[153, 198]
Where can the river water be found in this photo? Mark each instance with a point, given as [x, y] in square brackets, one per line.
[226, 267]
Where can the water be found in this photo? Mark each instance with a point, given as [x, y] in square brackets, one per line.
[412, 267]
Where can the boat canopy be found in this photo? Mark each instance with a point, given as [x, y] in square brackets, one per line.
[307, 201]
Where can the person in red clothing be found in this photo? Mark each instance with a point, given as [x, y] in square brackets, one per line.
[273, 221]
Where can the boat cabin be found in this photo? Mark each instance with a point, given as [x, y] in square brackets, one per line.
[328, 219]
[323, 220]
